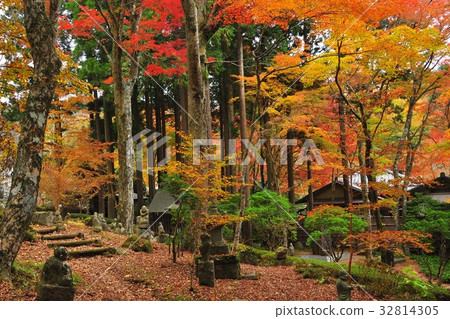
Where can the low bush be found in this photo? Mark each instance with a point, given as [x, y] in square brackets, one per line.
[381, 283]
[433, 261]
[259, 257]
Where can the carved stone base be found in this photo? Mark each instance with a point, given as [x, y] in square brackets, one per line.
[223, 249]
[227, 267]
[205, 272]
[55, 293]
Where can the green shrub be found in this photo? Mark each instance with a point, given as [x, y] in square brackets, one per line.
[433, 262]
[30, 236]
[138, 244]
[381, 283]
[258, 257]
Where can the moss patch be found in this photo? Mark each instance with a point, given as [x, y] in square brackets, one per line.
[138, 244]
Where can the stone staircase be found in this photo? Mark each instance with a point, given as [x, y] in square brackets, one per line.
[81, 247]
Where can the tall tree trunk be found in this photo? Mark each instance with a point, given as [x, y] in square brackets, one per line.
[178, 139]
[159, 114]
[125, 150]
[98, 135]
[290, 168]
[123, 89]
[343, 148]
[184, 105]
[196, 39]
[137, 128]
[310, 202]
[110, 164]
[245, 188]
[149, 125]
[41, 27]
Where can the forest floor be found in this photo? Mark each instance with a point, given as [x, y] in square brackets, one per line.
[144, 276]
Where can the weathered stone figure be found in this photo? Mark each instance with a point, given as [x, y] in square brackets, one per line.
[114, 224]
[291, 250]
[160, 229]
[103, 222]
[162, 235]
[343, 289]
[96, 224]
[281, 253]
[205, 248]
[120, 229]
[57, 219]
[56, 280]
[205, 270]
[142, 220]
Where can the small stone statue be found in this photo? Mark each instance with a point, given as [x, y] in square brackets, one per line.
[281, 253]
[56, 280]
[161, 229]
[151, 236]
[205, 266]
[114, 224]
[343, 289]
[142, 219]
[121, 230]
[103, 222]
[68, 217]
[162, 235]
[96, 224]
[57, 219]
[291, 250]
[205, 248]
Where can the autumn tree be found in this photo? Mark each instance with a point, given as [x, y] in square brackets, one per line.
[41, 24]
[129, 28]
[73, 161]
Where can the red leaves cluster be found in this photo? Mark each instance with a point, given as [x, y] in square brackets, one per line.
[156, 34]
[391, 240]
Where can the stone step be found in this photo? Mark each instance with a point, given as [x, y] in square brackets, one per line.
[76, 243]
[107, 251]
[63, 236]
[44, 231]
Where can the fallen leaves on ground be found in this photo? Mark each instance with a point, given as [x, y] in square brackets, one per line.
[143, 276]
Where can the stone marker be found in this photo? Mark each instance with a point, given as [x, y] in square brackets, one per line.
[96, 224]
[205, 266]
[103, 222]
[120, 229]
[57, 220]
[56, 279]
[281, 253]
[162, 235]
[142, 220]
[343, 289]
[68, 217]
[291, 250]
[114, 224]
[42, 218]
